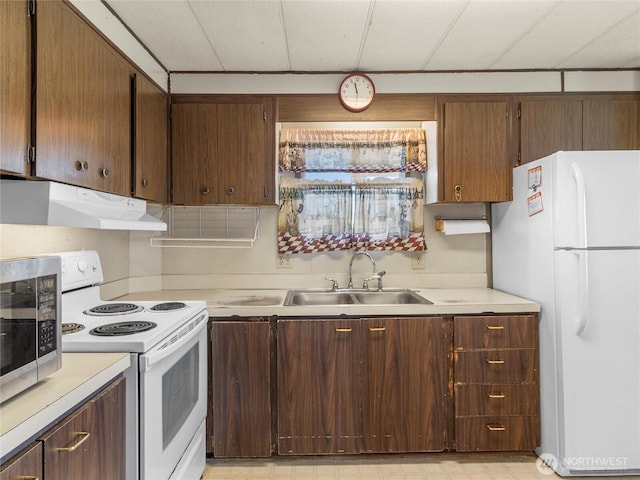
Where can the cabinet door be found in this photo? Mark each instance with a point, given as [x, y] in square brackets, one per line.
[151, 136]
[244, 163]
[612, 124]
[90, 444]
[475, 151]
[240, 377]
[404, 384]
[547, 126]
[26, 465]
[318, 387]
[194, 129]
[15, 88]
[83, 104]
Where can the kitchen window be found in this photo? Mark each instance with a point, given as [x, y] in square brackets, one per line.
[357, 189]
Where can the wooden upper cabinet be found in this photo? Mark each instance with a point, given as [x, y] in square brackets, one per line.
[223, 150]
[548, 125]
[612, 123]
[474, 163]
[151, 137]
[83, 104]
[15, 88]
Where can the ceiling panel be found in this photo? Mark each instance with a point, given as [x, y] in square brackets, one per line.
[254, 40]
[171, 31]
[324, 35]
[402, 34]
[565, 31]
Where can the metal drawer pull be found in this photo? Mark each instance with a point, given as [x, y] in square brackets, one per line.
[495, 327]
[84, 436]
[377, 329]
[343, 329]
[496, 395]
[495, 362]
[496, 428]
[28, 477]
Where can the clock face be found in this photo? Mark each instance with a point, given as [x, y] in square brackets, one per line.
[356, 92]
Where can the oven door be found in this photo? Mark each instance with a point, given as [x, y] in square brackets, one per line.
[173, 396]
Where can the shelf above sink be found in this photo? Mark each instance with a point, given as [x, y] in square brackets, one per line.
[301, 298]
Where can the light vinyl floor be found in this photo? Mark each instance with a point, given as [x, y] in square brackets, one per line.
[438, 466]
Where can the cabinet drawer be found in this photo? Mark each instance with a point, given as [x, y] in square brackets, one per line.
[518, 331]
[497, 433]
[496, 366]
[497, 399]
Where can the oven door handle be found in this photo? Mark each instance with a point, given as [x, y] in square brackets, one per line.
[175, 342]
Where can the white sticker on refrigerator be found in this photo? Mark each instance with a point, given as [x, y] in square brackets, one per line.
[534, 203]
[534, 177]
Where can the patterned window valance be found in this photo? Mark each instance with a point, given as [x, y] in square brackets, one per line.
[379, 150]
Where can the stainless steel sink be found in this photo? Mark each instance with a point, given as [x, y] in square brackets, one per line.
[353, 297]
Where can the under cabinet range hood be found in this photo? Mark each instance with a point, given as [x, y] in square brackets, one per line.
[50, 203]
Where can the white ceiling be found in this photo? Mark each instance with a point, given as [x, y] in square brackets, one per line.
[385, 35]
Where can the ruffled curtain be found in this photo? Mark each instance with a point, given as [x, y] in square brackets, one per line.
[314, 216]
[380, 150]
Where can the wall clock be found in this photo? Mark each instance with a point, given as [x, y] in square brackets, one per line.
[356, 92]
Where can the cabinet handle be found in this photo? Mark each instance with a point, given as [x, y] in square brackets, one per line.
[495, 362]
[205, 190]
[231, 190]
[495, 327]
[457, 193]
[84, 165]
[28, 477]
[343, 329]
[145, 182]
[496, 428]
[84, 435]
[496, 395]
[377, 329]
[105, 172]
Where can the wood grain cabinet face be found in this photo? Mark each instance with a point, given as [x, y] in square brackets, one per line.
[612, 123]
[222, 152]
[496, 387]
[241, 388]
[475, 151]
[90, 444]
[15, 88]
[83, 104]
[25, 465]
[151, 141]
[361, 385]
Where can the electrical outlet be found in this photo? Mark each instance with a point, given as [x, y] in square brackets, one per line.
[417, 261]
[284, 261]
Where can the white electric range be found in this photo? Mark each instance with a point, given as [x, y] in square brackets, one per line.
[167, 381]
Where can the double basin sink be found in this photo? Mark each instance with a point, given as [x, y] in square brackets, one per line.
[353, 297]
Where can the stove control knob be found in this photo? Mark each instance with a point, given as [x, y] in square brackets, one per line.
[82, 266]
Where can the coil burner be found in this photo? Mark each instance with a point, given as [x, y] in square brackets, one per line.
[68, 328]
[168, 306]
[122, 328]
[114, 309]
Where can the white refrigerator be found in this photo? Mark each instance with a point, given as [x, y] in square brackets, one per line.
[570, 240]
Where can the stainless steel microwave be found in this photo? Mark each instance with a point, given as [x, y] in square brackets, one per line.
[30, 323]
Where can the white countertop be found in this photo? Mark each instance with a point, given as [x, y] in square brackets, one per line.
[28, 413]
[263, 302]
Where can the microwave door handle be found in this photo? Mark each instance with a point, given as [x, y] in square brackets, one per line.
[155, 356]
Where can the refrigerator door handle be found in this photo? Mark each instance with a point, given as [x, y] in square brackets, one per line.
[583, 285]
[581, 203]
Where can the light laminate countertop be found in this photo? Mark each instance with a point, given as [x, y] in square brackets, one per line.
[266, 302]
[82, 374]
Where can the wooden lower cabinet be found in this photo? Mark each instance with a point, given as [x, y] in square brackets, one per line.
[26, 464]
[496, 387]
[361, 385]
[88, 444]
[241, 388]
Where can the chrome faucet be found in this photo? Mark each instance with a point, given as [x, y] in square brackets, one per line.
[353, 257]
